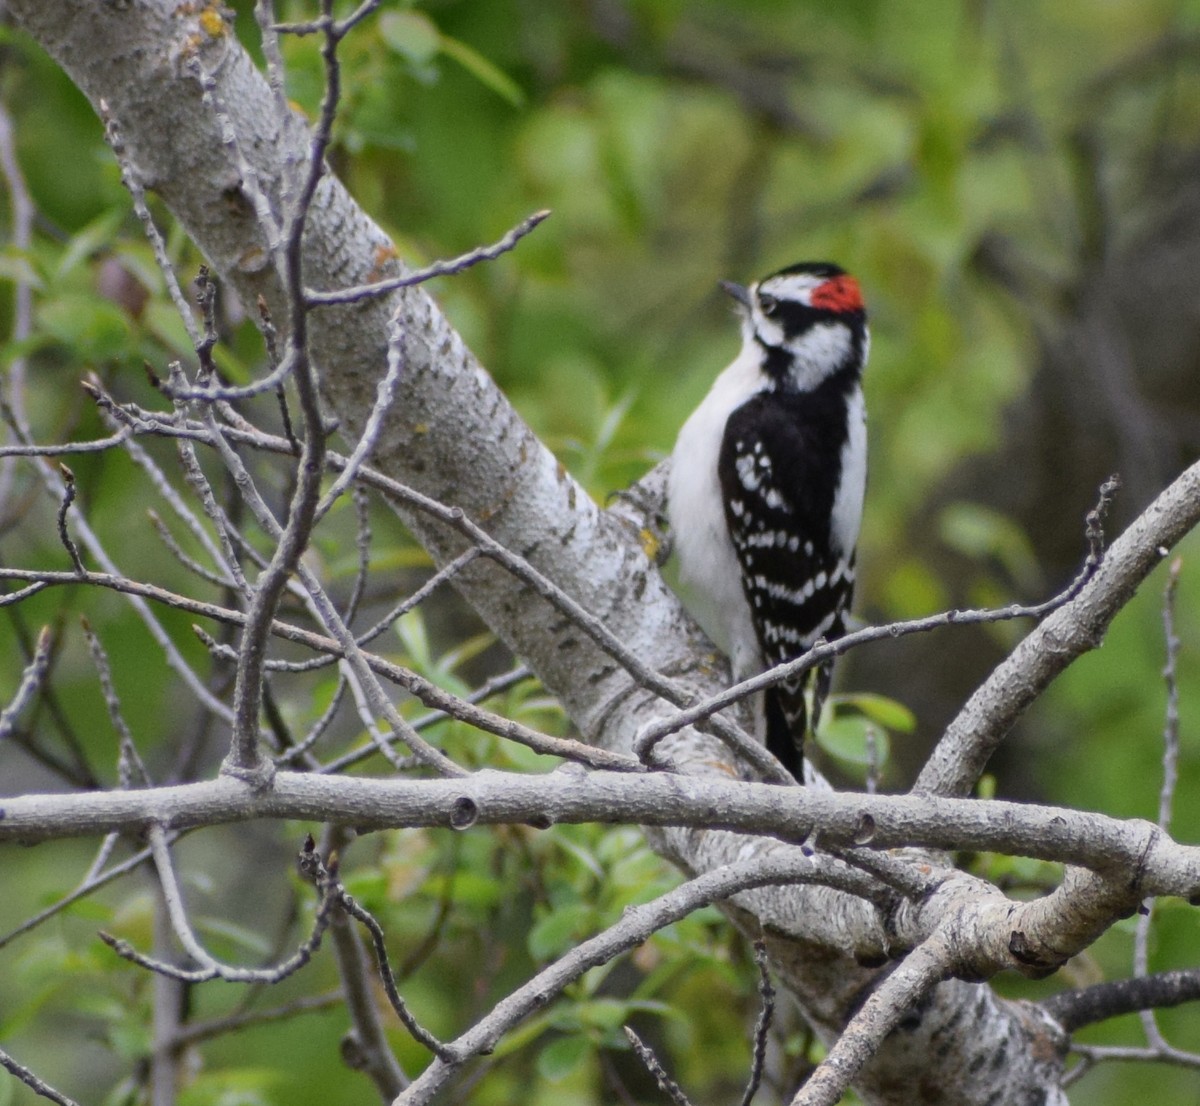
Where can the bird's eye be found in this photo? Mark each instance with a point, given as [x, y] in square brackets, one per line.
[768, 304]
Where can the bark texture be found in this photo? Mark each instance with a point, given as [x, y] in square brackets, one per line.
[454, 437]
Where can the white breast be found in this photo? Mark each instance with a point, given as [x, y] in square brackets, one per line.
[848, 503]
[710, 578]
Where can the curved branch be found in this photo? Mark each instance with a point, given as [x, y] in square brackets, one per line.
[960, 756]
[1075, 1009]
[460, 442]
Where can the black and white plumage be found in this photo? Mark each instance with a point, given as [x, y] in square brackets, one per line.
[766, 488]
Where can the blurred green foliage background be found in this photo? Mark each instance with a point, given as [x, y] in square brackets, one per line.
[1014, 185]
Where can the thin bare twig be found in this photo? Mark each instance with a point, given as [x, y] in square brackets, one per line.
[762, 1027]
[63, 507]
[385, 395]
[212, 390]
[485, 691]
[31, 682]
[410, 602]
[327, 24]
[130, 759]
[429, 693]
[210, 967]
[96, 445]
[920, 971]
[665, 1083]
[74, 768]
[108, 845]
[365, 1048]
[312, 864]
[226, 561]
[363, 706]
[92, 882]
[1091, 1055]
[634, 927]
[1171, 723]
[362, 543]
[194, 1032]
[176, 550]
[137, 195]
[652, 734]
[1170, 763]
[317, 730]
[35, 1084]
[437, 269]
[227, 556]
[266, 327]
[23, 211]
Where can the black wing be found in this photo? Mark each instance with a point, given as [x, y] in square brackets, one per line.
[779, 467]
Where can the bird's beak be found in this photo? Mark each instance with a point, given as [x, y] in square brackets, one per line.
[738, 291]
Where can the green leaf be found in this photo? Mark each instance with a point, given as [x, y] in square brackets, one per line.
[606, 1013]
[845, 737]
[17, 266]
[95, 236]
[471, 889]
[162, 320]
[562, 1057]
[584, 855]
[979, 532]
[879, 708]
[410, 628]
[90, 910]
[412, 35]
[483, 70]
[522, 1036]
[559, 930]
[369, 886]
[130, 1041]
[232, 1087]
[92, 328]
[241, 937]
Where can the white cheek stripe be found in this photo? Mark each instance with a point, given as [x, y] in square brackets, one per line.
[817, 353]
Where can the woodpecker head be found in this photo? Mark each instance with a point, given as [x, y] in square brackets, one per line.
[807, 322]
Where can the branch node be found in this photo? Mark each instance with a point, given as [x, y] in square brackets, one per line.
[63, 507]
[464, 813]
[259, 776]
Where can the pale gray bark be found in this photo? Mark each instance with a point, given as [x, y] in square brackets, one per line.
[1157, 864]
[454, 437]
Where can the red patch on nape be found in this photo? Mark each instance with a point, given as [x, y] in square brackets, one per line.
[842, 293]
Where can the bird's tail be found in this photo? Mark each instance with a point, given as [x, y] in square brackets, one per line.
[787, 716]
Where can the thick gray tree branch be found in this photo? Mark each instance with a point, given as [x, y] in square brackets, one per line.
[1151, 862]
[960, 757]
[460, 442]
